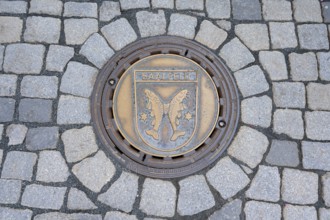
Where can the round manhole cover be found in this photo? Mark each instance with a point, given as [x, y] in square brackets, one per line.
[165, 107]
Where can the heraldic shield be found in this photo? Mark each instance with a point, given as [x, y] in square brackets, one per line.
[166, 107]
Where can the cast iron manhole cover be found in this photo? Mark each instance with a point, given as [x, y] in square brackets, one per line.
[165, 107]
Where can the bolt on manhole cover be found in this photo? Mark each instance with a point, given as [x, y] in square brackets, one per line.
[165, 107]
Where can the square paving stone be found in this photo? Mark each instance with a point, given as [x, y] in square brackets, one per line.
[2, 54]
[78, 79]
[39, 87]
[1, 131]
[80, 9]
[274, 63]
[58, 56]
[7, 109]
[317, 125]
[19, 165]
[119, 33]
[122, 194]
[158, 202]
[16, 133]
[64, 216]
[189, 5]
[283, 153]
[324, 65]
[251, 81]
[42, 29]
[283, 35]
[318, 96]
[43, 197]
[109, 10]
[299, 212]
[24, 58]
[236, 55]
[49, 7]
[42, 138]
[246, 9]
[324, 214]
[134, 4]
[307, 10]
[279, 10]
[230, 211]
[289, 94]
[316, 155]
[10, 29]
[182, 25]
[78, 30]
[78, 200]
[218, 9]
[21, 214]
[13, 7]
[326, 11]
[303, 67]
[289, 122]
[210, 35]
[119, 216]
[162, 3]
[73, 110]
[35, 110]
[8, 85]
[254, 36]
[313, 36]
[151, 24]
[10, 191]
[326, 189]
[299, 187]
[262, 210]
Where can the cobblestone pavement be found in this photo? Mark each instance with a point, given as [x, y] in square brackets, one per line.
[53, 166]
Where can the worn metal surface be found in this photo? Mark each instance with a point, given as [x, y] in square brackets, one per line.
[165, 107]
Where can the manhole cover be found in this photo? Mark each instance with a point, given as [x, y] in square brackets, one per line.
[165, 107]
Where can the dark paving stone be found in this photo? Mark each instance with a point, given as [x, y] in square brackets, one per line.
[246, 9]
[7, 109]
[35, 110]
[42, 138]
[283, 153]
[326, 11]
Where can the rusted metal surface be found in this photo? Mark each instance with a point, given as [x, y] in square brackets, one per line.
[165, 107]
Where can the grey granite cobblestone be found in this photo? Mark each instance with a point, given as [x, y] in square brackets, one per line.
[265, 185]
[317, 125]
[276, 10]
[10, 191]
[78, 200]
[289, 122]
[24, 58]
[326, 189]
[122, 194]
[10, 213]
[19, 165]
[35, 110]
[94, 172]
[119, 33]
[162, 4]
[8, 84]
[303, 67]
[79, 143]
[262, 210]
[119, 216]
[224, 24]
[49, 7]
[210, 35]
[318, 96]
[246, 9]
[2, 54]
[283, 35]
[10, 29]
[249, 146]
[230, 211]
[42, 138]
[313, 36]
[274, 63]
[158, 202]
[307, 10]
[16, 133]
[151, 24]
[194, 196]
[299, 187]
[1, 131]
[109, 10]
[283, 153]
[73, 110]
[43, 197]
[218, 9]
[254, 36]
[42, 29]
[324, 213]
[78, 30]
[64, 216]
[52, 167]
[134, 4]
[58, 56]
[324, 65]
[7, 109]
[289, 94]
[182, 25]
[236, 55]
[227, 178]
[39, 87]
[316, 155]
[299, 212]
[13, 7]
[189, 5]
[80, 9]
